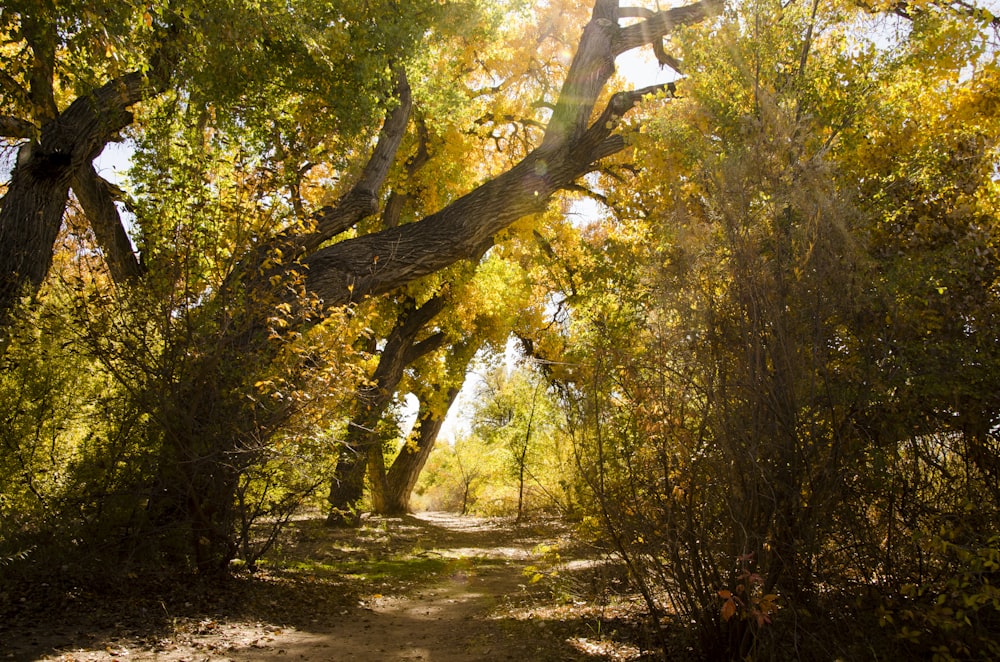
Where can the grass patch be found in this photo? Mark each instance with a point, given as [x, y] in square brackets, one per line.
[406, 570]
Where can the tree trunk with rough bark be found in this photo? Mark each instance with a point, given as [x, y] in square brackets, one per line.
[573, 144]
[36, 198]
[405, 470]
[374, 263]
[401, 349]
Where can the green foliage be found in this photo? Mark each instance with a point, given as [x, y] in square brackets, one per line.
[219, 394]
[516, 459]
[785, 342]
[467, 477]
[774, 365]
[953, 614]
[70, 447]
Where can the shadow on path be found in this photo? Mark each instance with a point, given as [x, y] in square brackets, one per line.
[434, 587]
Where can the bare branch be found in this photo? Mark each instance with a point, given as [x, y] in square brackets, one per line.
[489, 118]
[664, 58]
[662, 23]
[635, 12]
[362, 200]
[590, 193]
[599, 141]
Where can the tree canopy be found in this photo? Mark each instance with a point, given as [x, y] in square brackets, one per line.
[772, 351]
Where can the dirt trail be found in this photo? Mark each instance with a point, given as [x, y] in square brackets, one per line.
[434, 587]
[456, 618]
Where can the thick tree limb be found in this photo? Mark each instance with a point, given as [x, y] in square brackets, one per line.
[40, 34]
[591, 68]
[15, 127]
[662, 23]
[357, 204]
[635, 12]
[36, 197]
[397, 200]
[98, 203]
[379, 262]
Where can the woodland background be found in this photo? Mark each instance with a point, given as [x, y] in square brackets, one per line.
[765, 373]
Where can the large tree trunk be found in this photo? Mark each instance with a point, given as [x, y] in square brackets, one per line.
[29, 223]
[401, 349]
[36, 198]
[370, 264]
[405, 470]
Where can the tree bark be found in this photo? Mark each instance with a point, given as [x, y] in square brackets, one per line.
[405, 470]
[380, 262]
[98, 203]
[400, 350]
[371, 264]
[36, 198]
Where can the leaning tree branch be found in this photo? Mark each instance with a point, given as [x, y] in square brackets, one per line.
[662, 23]
[397, 199]
[15, 127]
[362, 200]
[40, 35]
[380, 262]
[635, 12]
[98, 202]
[591, 68]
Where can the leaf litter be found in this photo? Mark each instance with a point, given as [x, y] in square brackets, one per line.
[434, 586]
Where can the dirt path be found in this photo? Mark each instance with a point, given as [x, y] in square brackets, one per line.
[435, 587]
[464, 615]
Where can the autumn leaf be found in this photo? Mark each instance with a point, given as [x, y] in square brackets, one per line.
[728, 609]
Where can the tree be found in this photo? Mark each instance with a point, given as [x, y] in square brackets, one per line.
[515, 416]
[403, 474]
[344, 271]
[749, 402]
[363, 442]
[211, 421]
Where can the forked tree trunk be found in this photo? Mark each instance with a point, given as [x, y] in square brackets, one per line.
[576, 138]
[405, 470]
[401, 349]
[33, 206]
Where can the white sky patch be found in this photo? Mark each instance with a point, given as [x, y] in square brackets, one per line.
[640, 69]
[113, 163]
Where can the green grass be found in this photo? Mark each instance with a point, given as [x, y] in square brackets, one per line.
[406, 569]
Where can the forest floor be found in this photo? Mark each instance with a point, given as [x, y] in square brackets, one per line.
[433, 587]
